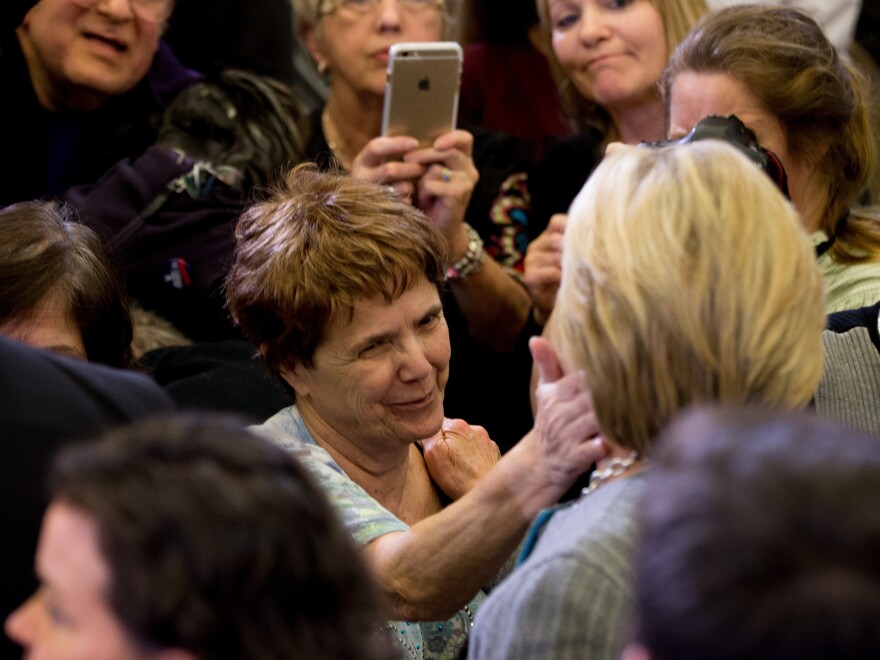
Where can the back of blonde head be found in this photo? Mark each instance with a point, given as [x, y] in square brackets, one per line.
[686, 279]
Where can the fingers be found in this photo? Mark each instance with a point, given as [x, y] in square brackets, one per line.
[460, 456]
[618, 147]
[381, 161]
[543, 261]
[403, 189]
[451, 425]
[543, 267]
[546, 361]
[557, 223]
[566, 403]
[542, 284]
[393, 159]
[462, 428]
[453, 150]
[456, 184]
[381, 149]
[444, 171]
[546, 249]
[458, 139]
[592, 451]
[546, 244]
[542, 280]
[390, 173]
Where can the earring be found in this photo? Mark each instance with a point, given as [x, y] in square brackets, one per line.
[324, 72]
[563, 88]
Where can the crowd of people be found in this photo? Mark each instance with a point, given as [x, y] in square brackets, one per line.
[578, 380]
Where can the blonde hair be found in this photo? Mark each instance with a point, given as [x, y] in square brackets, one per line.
[687, 279]
[320, 243]
[678, 17]
[782, 56]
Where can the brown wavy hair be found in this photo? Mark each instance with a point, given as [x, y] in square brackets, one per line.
[787, 62]
[308, 253]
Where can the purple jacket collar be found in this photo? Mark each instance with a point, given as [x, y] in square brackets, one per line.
[168, 76]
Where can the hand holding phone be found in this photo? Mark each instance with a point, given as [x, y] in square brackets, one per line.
[421, 97]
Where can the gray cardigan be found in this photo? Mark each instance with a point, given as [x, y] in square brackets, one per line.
[572, 596]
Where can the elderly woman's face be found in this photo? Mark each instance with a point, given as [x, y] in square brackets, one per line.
[379, 378]
[613, 52]
[354, 43]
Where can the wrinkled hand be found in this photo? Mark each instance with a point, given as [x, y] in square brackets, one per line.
[543, 267]
[381, 161]
[444, 191]
[458, 456]
[566, 430]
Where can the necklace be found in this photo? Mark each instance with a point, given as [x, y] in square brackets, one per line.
[333, 141]
[615, 468]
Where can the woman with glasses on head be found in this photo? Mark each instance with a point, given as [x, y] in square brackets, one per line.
[774, 68]
[82, 81]
[471, 189]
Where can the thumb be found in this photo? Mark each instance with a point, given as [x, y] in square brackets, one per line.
[428, 442]
[546, 360]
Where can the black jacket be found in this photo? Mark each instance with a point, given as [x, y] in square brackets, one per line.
[47, 152]
[46, 401]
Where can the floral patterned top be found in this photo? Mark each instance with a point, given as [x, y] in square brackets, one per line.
[366, 520]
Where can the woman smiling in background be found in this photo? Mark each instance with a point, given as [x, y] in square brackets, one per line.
[612, 53]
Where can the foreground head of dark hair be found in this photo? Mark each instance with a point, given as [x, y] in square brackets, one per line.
[219, 543]
[760, 540]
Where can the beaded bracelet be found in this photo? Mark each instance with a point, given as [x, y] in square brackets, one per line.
[472, 260]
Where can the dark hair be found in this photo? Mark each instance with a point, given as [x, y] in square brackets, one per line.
[220, 543]
[238, 119]
[760, 539]
[45, 251]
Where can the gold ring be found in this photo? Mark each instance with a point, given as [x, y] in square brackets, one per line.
[446, 175]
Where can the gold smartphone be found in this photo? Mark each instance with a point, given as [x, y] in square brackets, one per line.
[421, 96]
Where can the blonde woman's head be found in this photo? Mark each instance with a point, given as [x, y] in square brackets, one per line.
[687, 278]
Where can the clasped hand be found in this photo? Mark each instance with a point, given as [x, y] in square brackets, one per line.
[439, 179]
[458, 456]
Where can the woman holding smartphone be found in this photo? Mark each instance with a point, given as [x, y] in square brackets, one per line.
[483, 223]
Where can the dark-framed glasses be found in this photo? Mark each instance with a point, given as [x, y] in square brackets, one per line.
[152, 11]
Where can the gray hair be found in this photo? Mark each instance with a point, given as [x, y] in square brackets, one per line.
[307, 14]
